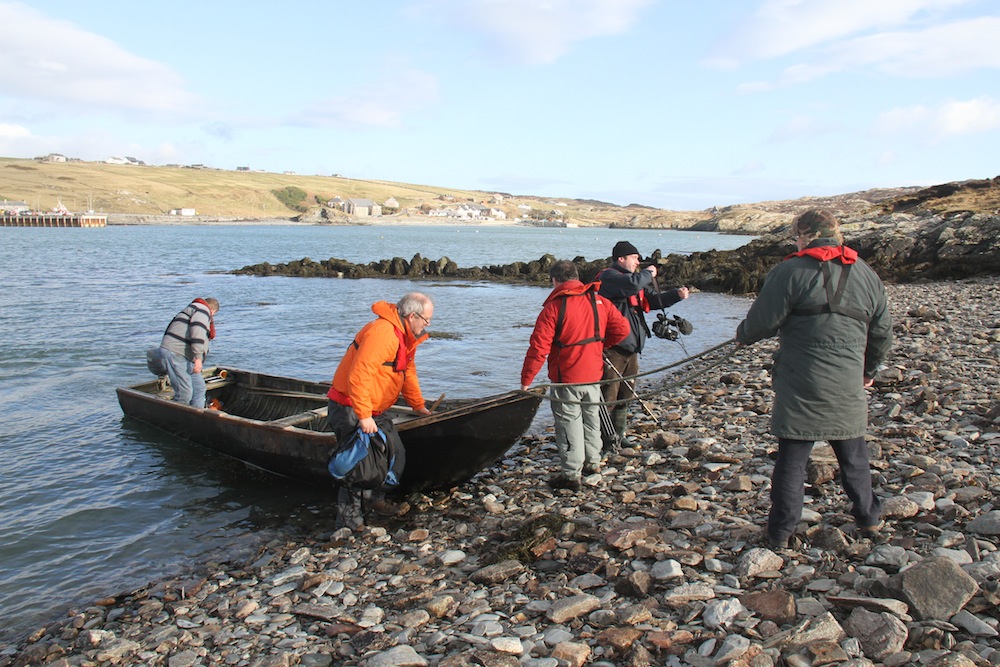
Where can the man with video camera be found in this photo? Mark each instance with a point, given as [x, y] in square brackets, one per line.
[633, 292]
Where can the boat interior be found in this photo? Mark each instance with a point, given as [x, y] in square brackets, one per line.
[275, 400]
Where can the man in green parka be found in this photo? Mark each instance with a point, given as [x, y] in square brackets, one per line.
[829, 310]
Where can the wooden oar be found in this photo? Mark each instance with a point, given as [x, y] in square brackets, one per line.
[437, 403]
[284, 394]
[301, 418]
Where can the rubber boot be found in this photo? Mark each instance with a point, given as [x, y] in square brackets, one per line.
[620, 419]
[350, 508]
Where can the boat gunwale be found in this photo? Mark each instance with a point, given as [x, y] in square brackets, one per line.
[293, 452]
[463, 409]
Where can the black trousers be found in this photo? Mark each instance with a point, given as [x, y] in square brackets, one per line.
[613, 428]
[788, 484]
[626, 364]
[353, 504]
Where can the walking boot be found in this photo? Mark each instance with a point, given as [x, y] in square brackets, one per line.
[563, 482]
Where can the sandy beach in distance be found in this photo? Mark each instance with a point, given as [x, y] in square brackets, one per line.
[411, 220]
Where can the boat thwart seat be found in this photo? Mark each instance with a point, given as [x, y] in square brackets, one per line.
[300, 418]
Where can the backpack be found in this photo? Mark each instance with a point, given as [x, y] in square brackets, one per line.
[154, 361]
[364, 461]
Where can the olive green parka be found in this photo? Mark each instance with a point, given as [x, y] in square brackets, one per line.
[823, 358]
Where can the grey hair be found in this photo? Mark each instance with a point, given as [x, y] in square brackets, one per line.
[413, 303]
[563, 271]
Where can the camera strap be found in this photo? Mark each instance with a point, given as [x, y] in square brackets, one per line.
[659, 297]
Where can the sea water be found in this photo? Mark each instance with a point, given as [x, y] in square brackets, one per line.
[92, 504]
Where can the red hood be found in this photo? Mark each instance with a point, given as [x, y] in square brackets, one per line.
[572, 288]
[825, 253]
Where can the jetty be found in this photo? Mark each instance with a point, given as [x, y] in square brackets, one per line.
[53, 220]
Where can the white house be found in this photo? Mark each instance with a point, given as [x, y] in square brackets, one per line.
[468, 212]
[362, 208]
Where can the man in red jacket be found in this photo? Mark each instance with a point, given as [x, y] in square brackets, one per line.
[574, 328]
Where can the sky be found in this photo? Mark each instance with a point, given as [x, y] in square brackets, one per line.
[667, 103]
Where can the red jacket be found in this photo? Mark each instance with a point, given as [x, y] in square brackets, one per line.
[569, 362]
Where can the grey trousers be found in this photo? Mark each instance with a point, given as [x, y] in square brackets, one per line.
[788, 484]
[578, 427]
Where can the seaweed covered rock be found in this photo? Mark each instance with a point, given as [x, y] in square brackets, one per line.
[901, 247]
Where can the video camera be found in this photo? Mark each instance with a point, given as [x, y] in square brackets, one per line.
[671, 328]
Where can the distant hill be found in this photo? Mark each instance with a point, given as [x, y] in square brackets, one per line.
[138, 190]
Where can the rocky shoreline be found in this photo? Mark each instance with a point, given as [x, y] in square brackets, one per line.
[658, 560]
[901, 247]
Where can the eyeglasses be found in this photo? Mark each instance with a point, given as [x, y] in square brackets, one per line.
[427, 322]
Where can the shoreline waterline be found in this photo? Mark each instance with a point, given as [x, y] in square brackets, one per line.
[696, 491]
[95, 502]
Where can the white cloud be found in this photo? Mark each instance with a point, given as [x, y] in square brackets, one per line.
[383, 104]
[950, 119]
[23, 142]
[781, 27]
[939, 51]
[799, 127]
[970, 117]
[749, 168]
[8, 131]
[54, 61]
[534, 32]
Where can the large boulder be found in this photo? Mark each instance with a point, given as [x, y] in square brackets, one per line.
[935, 588]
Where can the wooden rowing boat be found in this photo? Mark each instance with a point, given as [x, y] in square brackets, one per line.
[279, 424]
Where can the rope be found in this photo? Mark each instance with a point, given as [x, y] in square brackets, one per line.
[649, 394]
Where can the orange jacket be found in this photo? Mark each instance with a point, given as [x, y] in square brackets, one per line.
[367, 374]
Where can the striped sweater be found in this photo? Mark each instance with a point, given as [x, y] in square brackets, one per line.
[189, 332]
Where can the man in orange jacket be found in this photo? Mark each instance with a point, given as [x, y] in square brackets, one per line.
[378, 366]
[574, 328]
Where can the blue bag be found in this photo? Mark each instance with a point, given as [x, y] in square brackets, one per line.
[364, 461]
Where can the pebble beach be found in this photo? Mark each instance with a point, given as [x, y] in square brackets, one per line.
[658, 560]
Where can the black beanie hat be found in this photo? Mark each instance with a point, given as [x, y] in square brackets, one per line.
[624, 249]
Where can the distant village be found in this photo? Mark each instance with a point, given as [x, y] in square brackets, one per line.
[363, 208]
[448, 210]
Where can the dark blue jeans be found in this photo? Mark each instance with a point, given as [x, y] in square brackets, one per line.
[789, 478]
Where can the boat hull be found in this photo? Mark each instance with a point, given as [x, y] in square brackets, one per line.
[279, 424]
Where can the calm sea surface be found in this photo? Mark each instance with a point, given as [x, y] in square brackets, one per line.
[92, 504]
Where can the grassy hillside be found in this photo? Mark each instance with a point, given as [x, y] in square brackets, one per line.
[144, 190]
[156, 190]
